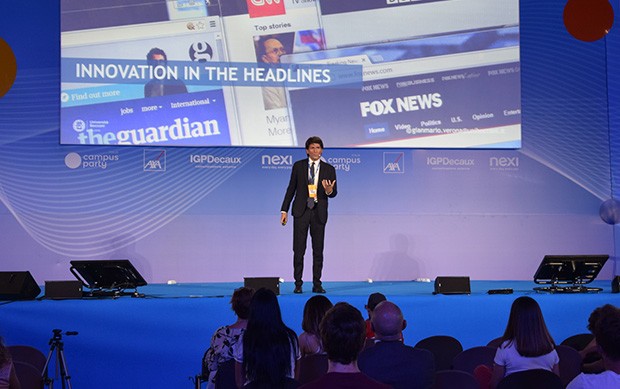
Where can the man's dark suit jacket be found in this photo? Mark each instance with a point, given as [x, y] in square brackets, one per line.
[298, 187]
[396, 364]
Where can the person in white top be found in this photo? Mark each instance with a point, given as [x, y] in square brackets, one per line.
[607, 335]
[526, 344]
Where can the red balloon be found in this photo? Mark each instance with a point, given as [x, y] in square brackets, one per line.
[8, 67]
[588, 20]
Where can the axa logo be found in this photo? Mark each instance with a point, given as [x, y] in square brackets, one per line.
[261, 8]
[154, 161]
[393, 162]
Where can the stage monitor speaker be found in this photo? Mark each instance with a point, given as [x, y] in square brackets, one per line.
[615, 284]
[271, 283]
[59, 290]
[18, 285]
[452, 285]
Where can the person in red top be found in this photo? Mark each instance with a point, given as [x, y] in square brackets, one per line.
[373, 300]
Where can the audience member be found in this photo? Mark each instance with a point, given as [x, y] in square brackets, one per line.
[607, 335]
[268, 354]
[343, 335]
[390, 361]
[593, 361]
[8, 378]
[314, 311]
[222, 342]
[373, 300]
[526, 343]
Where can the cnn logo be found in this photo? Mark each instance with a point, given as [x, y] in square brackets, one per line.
[261, 8]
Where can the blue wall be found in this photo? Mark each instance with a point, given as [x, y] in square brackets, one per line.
[446, 212]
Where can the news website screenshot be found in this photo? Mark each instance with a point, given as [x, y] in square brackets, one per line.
[124, 78]
[352, 23]
[260, 32]
[459, 90]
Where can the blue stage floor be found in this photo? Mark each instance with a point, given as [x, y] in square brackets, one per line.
[158, 341]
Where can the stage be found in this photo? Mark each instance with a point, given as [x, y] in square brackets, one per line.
[158, 341]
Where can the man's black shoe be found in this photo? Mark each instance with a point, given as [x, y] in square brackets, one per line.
[297, 290]
[318, 289]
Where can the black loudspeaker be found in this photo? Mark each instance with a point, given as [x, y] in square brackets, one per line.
[271, 283]
[18, 285]
[452, 285]
[59, 290]
[615, 284]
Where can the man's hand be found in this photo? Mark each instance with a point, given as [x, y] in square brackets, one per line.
[283, 218]
[328, 185]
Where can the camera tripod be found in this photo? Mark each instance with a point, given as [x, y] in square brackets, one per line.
[57, 345]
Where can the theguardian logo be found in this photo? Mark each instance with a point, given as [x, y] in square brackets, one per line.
[393, 162]
[154, 161]
[89, 161]
[504, 163]
[261, 8]
[276, 161]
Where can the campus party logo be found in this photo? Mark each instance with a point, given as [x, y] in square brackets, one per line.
[89, 161]
[154, 161]
[393, 163]
[261, 8]
[276, 161]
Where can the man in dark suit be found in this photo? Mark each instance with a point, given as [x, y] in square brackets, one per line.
[392, 362]
[312, 183]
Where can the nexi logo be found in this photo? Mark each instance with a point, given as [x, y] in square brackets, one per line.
[393, 162]
[276, 161]
[504, 163]
[261, 8]
[154, 160]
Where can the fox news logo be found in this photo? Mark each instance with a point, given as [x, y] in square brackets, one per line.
[154, 161]
[393, 162]
[261, 8]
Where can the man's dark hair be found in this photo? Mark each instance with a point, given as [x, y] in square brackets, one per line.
[343, 332]
[314, 139]
[153, 51]
[607, 333]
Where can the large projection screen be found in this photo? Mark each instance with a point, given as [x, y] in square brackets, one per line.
[432, 74]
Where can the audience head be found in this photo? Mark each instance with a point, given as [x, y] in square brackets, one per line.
[607, 333]
[343, 332]
[373, 300]
[527, 330]
[5, 356]
[314, 311]
[240, 302]
[388, 321]
[267, 342]
[597, 314]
